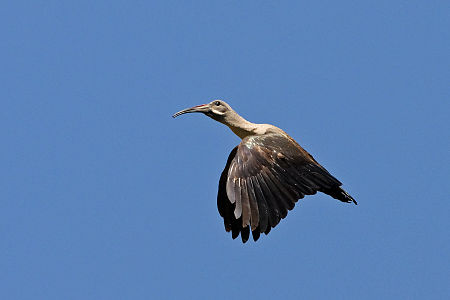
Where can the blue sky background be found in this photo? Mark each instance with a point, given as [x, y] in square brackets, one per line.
[104, 196]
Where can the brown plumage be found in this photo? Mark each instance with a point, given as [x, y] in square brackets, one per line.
[265, 175]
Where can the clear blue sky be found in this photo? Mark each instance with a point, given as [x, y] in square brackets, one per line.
[104, 196]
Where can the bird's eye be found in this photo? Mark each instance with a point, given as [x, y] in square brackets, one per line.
[217, 103]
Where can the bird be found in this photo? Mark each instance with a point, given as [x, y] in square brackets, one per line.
[265, 175]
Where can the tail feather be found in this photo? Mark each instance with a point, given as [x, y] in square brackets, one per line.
[340, 194]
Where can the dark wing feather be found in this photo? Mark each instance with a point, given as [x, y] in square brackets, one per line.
[263, 210]
[225, 206]
[263, 179]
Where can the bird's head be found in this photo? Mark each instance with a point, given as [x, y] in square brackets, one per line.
[217, 109]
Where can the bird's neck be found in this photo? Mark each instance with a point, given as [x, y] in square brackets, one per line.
[240, 126]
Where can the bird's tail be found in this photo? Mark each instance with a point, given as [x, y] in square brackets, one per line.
[340, 194]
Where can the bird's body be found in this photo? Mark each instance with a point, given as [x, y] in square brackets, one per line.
[265, 174]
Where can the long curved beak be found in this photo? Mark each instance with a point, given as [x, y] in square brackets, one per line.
[196, 109]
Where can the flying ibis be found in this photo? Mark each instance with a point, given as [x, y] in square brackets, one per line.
[265, 174]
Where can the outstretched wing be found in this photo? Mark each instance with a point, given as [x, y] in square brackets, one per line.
[264, 177]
